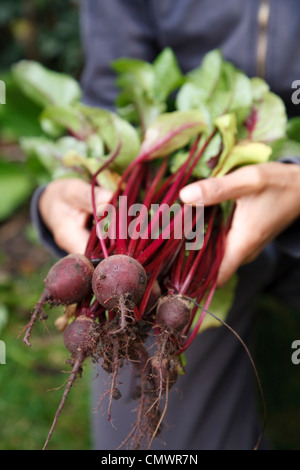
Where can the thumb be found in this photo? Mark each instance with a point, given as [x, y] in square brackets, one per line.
[212, 191]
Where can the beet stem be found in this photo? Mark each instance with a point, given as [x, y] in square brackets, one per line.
[105, 165]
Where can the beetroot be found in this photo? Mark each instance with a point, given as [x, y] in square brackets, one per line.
[119, 277]
[68, 282]
[173, 312]
[80, 338]
[119, 283]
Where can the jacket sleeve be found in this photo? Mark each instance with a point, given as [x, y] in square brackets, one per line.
[44, 234]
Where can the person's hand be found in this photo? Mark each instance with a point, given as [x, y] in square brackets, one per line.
[65, 207]
[267, 201]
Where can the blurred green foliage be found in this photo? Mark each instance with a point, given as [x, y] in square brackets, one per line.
[47, 32]
[31, 381]
[43, 30]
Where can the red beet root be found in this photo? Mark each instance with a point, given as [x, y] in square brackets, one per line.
[173, 312]
[68, 282]
[119, 282]
[116, 277]
[80, 338]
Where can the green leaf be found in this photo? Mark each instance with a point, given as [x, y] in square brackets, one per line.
[15, 188]
[293, 129]
[240, 92]
[167, 74]
[134, 74]
[207, 76]
[245, 153]
[270, 114]
[43, 86]
[202, 168]
[3, 317]
[220, 305]
[146, 88]
[95, 146]
[136, 81]
[226, 125]
[106, 178]
[19, 116]
[50, 153]
[113, 129]
[172, 131]
[217, 86]
[285, 148]
[57, 119]
[259, 88]
[190, 97]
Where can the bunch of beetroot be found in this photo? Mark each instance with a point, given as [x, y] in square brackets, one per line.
[128, 290]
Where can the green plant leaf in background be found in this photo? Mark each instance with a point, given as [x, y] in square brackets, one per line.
[218, 87]
[293, 129]
[19, 116]
[112, 129]
[270, 118]
[15, 188]
[207, 76]
[145, 88]
[56, 120]
[167, 75]
[43, 86]
[3, 316]
[50, 153]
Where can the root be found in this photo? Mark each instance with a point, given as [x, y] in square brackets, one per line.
[75, 371]
[38, 312]
[113, 378]
[156, 431]
[125, 318]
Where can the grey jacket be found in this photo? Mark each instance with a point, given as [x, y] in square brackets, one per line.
[213, 405]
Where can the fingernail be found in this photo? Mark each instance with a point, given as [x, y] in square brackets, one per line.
[191, 193]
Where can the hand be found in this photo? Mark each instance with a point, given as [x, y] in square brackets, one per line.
[267, 201]
[65, 207]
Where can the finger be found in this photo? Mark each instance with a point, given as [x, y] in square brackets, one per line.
[212, 191]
